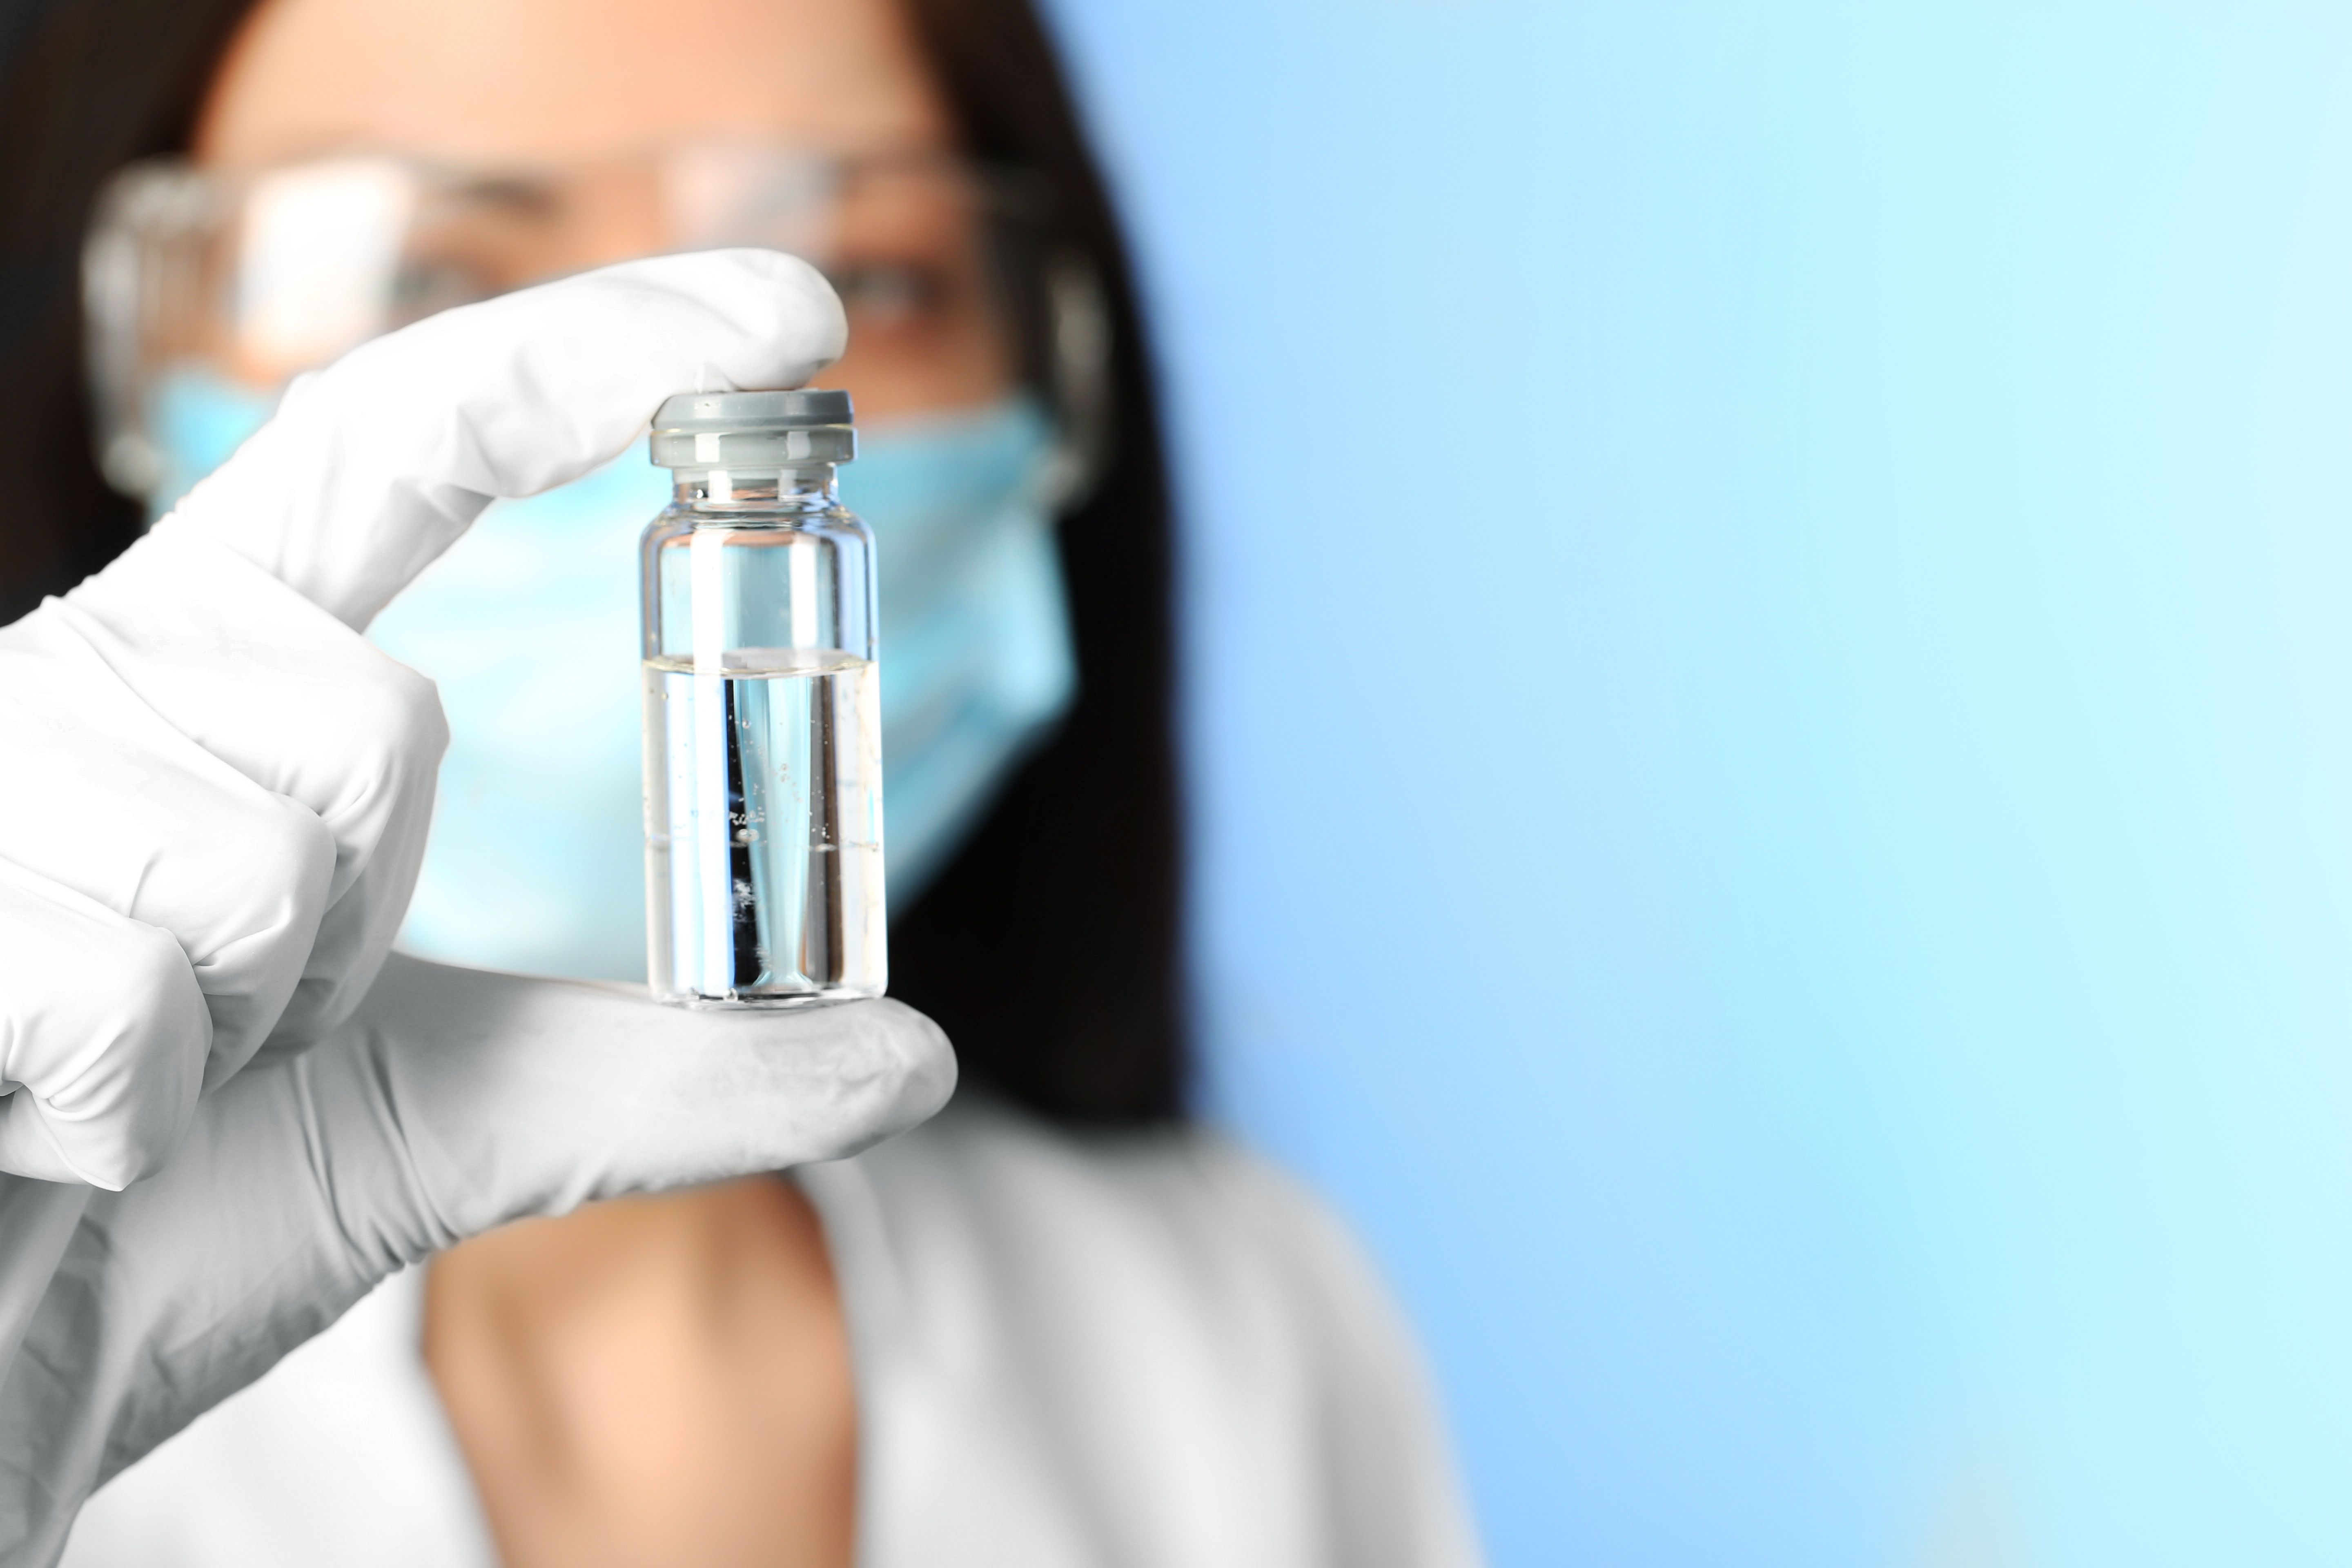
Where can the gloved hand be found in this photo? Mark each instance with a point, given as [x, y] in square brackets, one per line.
[213, 806]
[217, 794]
[453, 1100]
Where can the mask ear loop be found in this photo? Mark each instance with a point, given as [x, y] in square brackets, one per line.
[1077, 339]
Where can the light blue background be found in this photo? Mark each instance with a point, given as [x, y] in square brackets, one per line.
[1770, 623]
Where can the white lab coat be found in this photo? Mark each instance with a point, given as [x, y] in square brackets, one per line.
[1072, 1351]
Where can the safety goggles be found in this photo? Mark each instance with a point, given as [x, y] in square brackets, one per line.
[955, 288]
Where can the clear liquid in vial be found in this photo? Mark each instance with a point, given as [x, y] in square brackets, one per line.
[764, 828]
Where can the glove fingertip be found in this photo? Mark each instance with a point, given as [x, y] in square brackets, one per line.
[915, 1070]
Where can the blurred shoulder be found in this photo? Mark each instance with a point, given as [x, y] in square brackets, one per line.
[1182, 1187]
[1100, 1313]
[1153, 1332]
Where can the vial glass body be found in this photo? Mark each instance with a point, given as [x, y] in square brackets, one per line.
[763, 745]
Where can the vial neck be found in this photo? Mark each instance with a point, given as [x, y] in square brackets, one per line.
[810, 488]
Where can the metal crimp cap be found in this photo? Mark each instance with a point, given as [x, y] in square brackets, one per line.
[753, 430]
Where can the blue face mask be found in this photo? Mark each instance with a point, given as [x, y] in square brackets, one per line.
[529, 626]
[196, 420]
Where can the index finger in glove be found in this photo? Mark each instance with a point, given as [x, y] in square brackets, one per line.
[374, 467]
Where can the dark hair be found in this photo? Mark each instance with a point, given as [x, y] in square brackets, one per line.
[1051, 949]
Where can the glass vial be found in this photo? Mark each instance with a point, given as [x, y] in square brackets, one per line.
[763, 722]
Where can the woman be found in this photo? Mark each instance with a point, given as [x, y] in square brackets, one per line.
[1060, 1324]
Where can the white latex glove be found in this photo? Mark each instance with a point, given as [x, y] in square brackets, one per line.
[215, 794]
[454, 1101]
[213, 799]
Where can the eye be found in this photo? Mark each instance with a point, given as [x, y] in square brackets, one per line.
[891, 294]
[425, 285]
[514, 197]
[479, 237]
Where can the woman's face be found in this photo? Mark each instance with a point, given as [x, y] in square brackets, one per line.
[586, 118]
